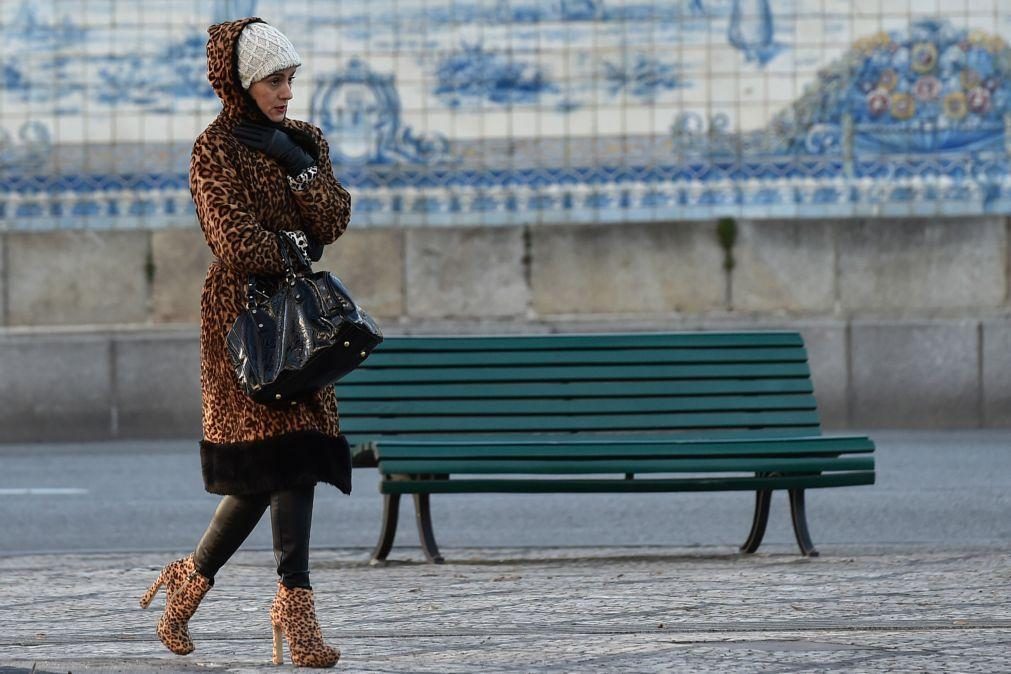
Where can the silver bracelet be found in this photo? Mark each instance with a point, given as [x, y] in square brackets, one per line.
[301, 181]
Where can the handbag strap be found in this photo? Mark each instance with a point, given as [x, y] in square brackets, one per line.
[290, 243]
[283, 243]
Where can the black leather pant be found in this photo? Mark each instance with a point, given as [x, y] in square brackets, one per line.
[235, 518]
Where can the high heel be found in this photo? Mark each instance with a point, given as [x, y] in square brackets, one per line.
[293, 615]
[145, 601]
[278, 644]
[185, 587]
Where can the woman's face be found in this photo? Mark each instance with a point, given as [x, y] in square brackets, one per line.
[273, 92]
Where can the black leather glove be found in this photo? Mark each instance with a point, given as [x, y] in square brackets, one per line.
[306, 245]
[295, 253]
[314, 250]
[276, 144]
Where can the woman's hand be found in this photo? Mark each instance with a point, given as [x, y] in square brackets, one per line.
[307, 247]
[276, 144]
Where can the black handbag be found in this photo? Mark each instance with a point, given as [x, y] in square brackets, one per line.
[305, 335]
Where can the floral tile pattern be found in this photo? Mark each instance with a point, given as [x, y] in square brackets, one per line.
[444, 112]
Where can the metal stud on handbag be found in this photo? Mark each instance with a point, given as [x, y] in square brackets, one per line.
[305, 335]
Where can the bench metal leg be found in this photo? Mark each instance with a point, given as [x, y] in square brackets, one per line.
[391, 511]
[763, 497]
[799, 516]
[423, 513]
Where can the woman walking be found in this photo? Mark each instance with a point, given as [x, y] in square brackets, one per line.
[255, 176]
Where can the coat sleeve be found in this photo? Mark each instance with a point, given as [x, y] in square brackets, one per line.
[325, 205]
[233, 233]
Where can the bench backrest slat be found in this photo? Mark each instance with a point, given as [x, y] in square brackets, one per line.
[542, 406]
[725, 384]
[635, 340]
[613, 356]
[534, 373]
[557, 423]
[571, 389]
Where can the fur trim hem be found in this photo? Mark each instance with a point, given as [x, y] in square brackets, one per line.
[276, 463]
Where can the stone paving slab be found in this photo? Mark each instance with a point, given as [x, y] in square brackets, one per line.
[641, 609]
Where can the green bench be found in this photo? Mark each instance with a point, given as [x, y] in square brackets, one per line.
[639, 412]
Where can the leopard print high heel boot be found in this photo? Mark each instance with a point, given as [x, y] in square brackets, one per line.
[185, 587]
[293, 614]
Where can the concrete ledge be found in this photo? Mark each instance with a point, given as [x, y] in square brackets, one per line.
[3, 280]
[784, 265]
[144, 382]
[903, 269]
[916, 374]
[827, 354]
[55, 387]
[180, 258]
[900, 265]
[77, 278]
[465, 272]
[996, 372]
[157, 384]
[628, 269]
[371, 263]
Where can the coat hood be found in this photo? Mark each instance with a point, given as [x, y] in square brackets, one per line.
[223, 69]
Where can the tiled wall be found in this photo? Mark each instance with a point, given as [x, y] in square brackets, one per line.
[469, 112]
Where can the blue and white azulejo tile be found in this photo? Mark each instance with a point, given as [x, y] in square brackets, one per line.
[499, 112]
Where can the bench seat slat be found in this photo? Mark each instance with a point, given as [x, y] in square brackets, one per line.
[526, 406]
[583, 447]
[350, 391]
[592, 341]
[513, 358]
[664, 421]
[576, 373]
[543, 486]
[624, 465]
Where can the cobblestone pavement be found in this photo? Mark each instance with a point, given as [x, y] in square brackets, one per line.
[537, 610]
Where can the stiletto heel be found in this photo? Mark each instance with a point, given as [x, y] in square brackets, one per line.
[278, 645]
[148, 597]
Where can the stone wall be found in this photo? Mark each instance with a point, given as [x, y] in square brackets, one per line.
[840, 269]
[907, 321]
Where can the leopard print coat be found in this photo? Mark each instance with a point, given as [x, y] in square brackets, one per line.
[242, 198]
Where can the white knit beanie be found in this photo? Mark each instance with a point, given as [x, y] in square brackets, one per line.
[263, 50]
